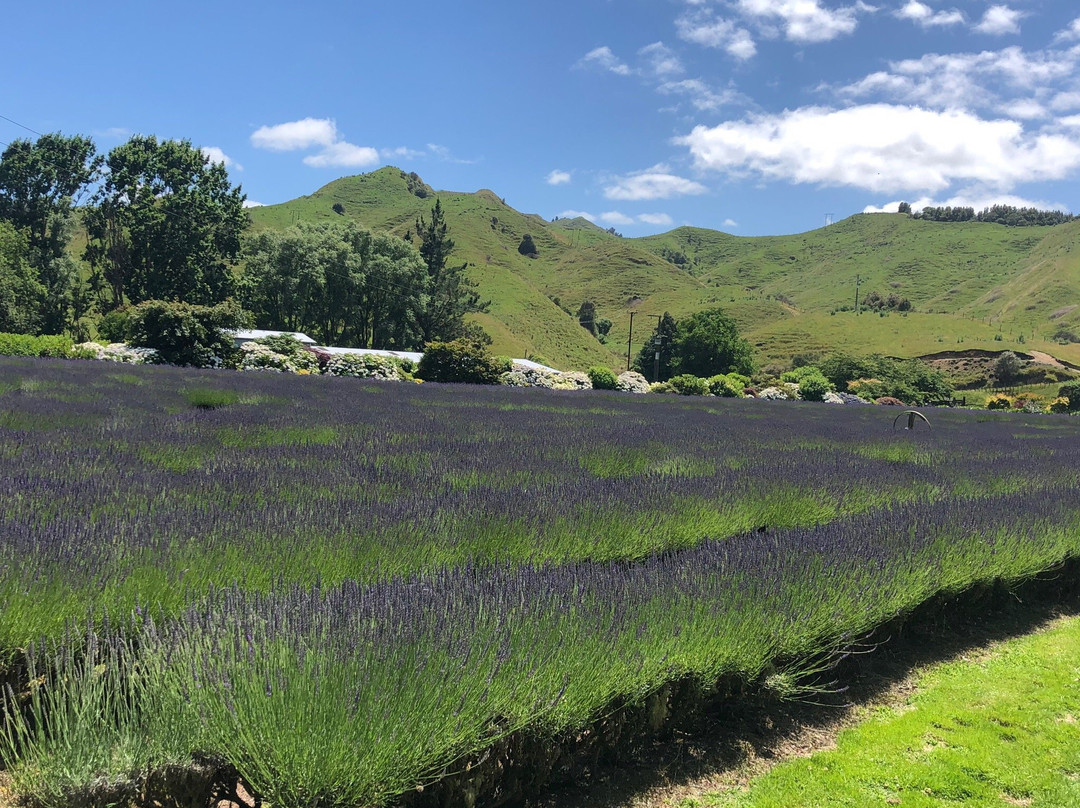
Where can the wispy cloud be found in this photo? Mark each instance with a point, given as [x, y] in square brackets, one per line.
[659, 219]
[307, 133]
[444, 154]
[652, 183]
[558, 177]
[661, 60]
[705, 28]
[605, 59]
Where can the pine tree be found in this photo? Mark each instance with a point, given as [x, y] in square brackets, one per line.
[450, 295]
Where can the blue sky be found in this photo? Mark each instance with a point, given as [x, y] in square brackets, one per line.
[752, 116]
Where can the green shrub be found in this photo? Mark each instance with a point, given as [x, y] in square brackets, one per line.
[1071, 391]
[284, 344]
[728, 386]
[662, 388]
[58, 347]
[460, 361]
[689, 385]
[185, 334]
[603, 378]
[814, 386]
[999, 403]
[113, 327]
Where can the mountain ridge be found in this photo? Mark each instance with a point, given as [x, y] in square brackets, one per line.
[970, 284]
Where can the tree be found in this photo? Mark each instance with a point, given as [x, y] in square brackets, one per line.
[185, 334]
[20, 292]
[905, 207]
[449, 294]
[708, 343]
[586, 315]
[527, 247]
[1007, 368]
[40, 184]
[667, 329]
[166, 224]
[337, 282]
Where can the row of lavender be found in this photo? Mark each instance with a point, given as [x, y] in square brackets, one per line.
[115, 488]
[341, 586]
[350, 695]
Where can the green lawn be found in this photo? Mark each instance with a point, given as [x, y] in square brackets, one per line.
[996, 729]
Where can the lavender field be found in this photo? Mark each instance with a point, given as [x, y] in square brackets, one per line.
[342, 587]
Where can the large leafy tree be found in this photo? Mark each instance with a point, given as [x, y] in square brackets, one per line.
[338, 283]
[20, 292]
[450, 294]
[166, 224]
[41, 182]
[708, 343]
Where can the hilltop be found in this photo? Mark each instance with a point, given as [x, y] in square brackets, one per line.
[970, 285]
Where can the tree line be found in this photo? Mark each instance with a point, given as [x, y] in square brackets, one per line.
[995, 214]
[163, 222]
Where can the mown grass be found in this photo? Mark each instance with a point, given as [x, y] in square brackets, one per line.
[1000, 728]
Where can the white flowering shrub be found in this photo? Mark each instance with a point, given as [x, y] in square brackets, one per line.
[524, 376]
[116, 352]
[775, 394]
[832, 398]
[365, 366]
[632, 382]
[255, 356]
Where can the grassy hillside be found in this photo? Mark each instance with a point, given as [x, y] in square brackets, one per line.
[971, 285]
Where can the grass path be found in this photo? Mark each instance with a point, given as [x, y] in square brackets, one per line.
[996, 727]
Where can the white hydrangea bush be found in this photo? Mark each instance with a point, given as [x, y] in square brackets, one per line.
[261, 357]
[632, 382]
[117, 352]
[365, 366]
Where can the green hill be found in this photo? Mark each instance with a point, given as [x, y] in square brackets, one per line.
[971, 285]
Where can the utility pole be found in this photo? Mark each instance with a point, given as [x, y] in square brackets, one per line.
[629, 340]
[657, 342]
[857, 280]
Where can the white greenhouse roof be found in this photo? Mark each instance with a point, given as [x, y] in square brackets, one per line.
[248, 334]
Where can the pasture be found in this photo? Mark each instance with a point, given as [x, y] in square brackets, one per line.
[337, 591]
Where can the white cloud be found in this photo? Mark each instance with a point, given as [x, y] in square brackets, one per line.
[661, 219]
[703, 28]
[992, 79]
[1027, 109]
[730, 223]
[616, 218]
[1000, 20]
[295, 135]
[1066, 101]
[558, 177]
[343, 155]
[310, 132]
[251, 203]
[921, 14]
[805, 20]
[652, 183]
[216, 155]
[577, 214]
[603, 58]
[883, 148]
[662, 60]
[1069, 34]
